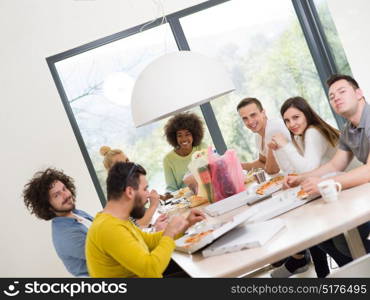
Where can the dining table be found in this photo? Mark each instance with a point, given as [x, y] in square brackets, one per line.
[305, 226]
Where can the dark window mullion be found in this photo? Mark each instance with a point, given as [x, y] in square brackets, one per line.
[318, 45]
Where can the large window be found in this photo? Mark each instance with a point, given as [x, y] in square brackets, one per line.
[265, 51]
[98, 84]
[260, 42]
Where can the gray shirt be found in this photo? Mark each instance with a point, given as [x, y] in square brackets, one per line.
[357, 139]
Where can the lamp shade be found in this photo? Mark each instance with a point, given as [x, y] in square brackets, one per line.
[176, 82]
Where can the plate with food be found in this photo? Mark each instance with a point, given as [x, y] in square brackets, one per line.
[197, 200]
[297, 193]
[264, 190]
[177, 206]
[182, 193]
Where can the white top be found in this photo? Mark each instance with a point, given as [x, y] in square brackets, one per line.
[273, 127]
[83, 221]
[313, 152]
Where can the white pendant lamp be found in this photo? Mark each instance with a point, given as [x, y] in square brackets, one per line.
[176, 82]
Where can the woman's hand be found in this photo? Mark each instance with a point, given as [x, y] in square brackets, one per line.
[280, 140]
[272, 146]
[292, 180]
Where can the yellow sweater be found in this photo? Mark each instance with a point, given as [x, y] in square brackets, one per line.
[118, 248]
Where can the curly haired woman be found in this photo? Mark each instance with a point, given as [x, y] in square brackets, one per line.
[184, 132]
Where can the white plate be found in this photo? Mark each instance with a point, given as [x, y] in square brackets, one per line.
[187, 194]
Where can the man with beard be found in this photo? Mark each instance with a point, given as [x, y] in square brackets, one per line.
[115, 247]
[50, 195]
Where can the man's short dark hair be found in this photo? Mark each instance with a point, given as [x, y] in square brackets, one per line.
[36, 192]
[122, 175]
[336, 77]
[247, 101]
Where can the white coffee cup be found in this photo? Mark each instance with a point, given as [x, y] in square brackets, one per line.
[329, 190]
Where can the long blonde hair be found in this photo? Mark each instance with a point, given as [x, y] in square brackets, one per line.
[108, 154]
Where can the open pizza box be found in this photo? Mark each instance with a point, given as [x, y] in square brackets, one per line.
[245, 236]
[197, 239]
[255, 194]
[223, 206]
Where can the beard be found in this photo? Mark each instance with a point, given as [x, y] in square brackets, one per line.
[66, 210]
[139, 210]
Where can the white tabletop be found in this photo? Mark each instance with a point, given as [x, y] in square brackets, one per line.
[306, 226]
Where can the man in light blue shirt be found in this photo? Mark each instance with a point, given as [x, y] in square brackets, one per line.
[69, 235]
[50, 195]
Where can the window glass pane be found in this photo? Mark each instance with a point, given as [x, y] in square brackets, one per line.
[263, 47]
[98, 84]
[332, 36]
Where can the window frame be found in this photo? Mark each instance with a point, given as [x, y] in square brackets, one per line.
[313, 33]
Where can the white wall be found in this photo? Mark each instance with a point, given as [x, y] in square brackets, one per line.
[34, 129]
[353, 24]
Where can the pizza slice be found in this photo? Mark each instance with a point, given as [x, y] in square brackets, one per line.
[302, 194]
[197, 237]
[271, 183]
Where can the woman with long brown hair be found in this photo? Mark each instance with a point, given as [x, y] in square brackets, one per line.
[313, 140]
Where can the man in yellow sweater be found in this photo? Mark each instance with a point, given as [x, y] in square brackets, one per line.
[115, 247]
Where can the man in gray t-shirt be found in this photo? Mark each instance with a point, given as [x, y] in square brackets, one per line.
[356, 139]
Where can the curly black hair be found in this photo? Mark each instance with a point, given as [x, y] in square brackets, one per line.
[188, 121]
[36, 192]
